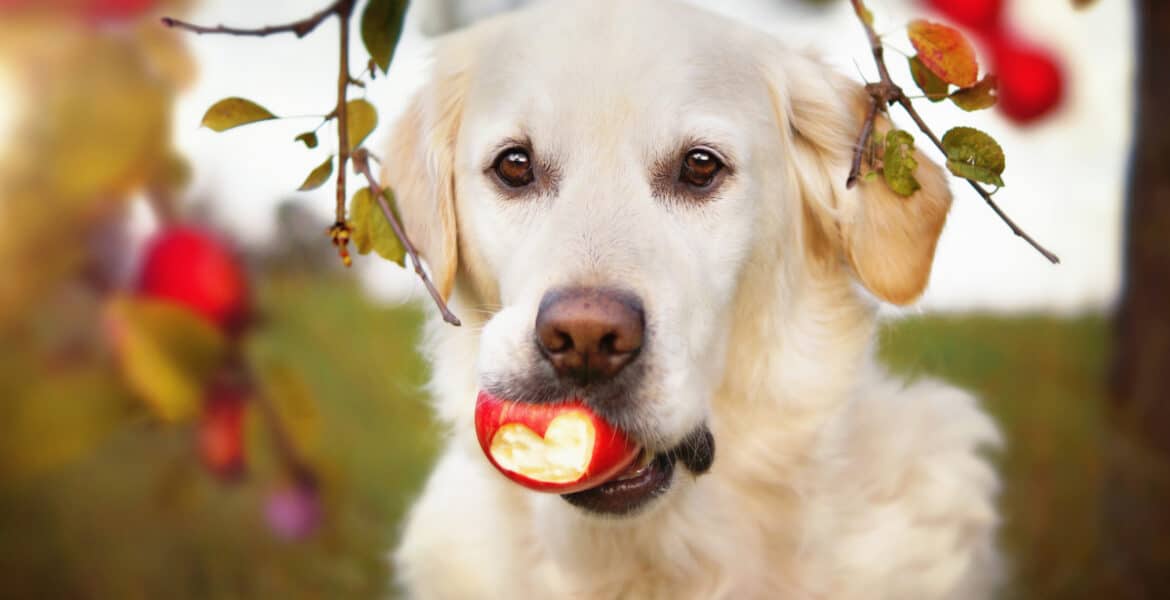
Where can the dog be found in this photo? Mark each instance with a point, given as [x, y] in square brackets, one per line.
[686, 173]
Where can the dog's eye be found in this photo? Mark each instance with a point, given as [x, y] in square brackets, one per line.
[699, 168]
[514, 167]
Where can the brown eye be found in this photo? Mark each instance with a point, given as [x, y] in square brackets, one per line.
[514, 167]
[699, 168]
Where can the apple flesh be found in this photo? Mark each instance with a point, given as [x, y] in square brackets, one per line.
[557, 448]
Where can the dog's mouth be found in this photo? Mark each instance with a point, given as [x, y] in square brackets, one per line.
[647, 478]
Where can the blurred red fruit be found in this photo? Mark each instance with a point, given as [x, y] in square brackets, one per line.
[221, 432]
[194, 268]
[1031, 82]
[117, 10]
[980, 15]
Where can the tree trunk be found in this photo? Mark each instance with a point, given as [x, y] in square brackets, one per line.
[1137, 493]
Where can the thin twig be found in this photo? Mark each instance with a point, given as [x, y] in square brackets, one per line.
[301, 28]
[361, 163]
[344, 10]
[885, 91]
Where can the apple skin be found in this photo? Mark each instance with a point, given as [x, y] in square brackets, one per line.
[194, 268]
[980, 15]
[221, 433]
[612, 450]
[1031, 80]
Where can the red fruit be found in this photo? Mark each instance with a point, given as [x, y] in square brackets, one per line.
[221, 433]
[980, 15]
[560, 448]
[1031, 82]
[117, 10]
[194, 268]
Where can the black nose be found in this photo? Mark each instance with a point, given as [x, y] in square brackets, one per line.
[589, 334]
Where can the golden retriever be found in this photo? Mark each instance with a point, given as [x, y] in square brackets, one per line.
[691, 170]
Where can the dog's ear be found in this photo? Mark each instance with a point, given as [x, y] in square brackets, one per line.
[419, 165]
[888, 240]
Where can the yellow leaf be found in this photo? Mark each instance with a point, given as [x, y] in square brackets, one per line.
[361, 118]
[371, 230]
[318, 176]
[292, 399]
[167, 354]
[233, 112]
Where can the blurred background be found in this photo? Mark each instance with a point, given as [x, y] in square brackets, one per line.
[134, 465]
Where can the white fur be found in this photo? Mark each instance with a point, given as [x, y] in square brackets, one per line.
[831, 480]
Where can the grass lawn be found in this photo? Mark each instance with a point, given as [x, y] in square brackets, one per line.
[139, 518]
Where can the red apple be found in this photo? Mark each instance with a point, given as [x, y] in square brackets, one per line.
[195, 268]
[221, 432]
[1031, 82]
[559, 448]
[980, 15]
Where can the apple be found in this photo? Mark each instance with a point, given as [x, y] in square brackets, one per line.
[558, 448]
[193, 267]
[980, 15]
[221, 432]
[1031, 81]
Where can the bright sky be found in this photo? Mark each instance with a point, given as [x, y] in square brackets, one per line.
[1065, 177]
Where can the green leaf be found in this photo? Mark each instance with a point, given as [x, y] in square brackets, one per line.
[898, 164]
[977, 97]
[381, 27]
[974, 155]
[166, 353]
[309, 138]
[233, 112]
[945, 51]
[318, 176]
[930, 84]
[360, 119]
[371, 230]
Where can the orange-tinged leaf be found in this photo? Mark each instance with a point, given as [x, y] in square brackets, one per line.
[930, 84]
[945, 51]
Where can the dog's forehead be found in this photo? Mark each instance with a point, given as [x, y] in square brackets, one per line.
[645, 62]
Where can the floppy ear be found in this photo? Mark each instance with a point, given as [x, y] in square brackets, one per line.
[420, 167]
[888, 240]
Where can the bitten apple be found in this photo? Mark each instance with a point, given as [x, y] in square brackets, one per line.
[559, 448]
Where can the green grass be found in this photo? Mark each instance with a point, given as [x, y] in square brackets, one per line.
[139, 518]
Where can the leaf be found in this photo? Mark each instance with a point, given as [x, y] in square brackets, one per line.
[930, 84]
[381, 27]
[233, 112]
[898, 164]
[945, 51]
[292, 400]
[863, 13]
[318, 176]
[974, 155]
[309, 138]
[371, 230]
[360, 119]
[977, 97]
[166, 353]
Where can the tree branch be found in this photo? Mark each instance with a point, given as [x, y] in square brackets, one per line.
[361, 163]
[344, 9]
[885, 91]
[301, 28]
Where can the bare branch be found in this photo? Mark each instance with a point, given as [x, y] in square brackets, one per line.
[361, 163]
[301, 28]
[344, 9]
[885, 91]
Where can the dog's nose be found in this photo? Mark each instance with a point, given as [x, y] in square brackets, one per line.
[589, 334]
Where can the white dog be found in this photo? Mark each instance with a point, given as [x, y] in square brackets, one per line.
[688, 174]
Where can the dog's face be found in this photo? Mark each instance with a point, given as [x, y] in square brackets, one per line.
[598, 182]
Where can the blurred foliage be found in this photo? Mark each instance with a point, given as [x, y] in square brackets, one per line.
[137, 517]
[1044, 380]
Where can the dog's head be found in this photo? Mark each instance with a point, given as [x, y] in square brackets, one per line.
[599, 182]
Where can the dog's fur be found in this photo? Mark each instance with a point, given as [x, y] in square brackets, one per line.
[831, 480]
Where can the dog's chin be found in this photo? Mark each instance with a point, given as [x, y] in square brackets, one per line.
[647, 479]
